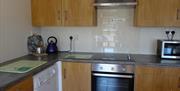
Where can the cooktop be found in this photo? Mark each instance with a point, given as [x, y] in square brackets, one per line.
[113, 57]
[101, 56]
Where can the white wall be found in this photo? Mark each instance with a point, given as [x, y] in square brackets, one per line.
[15, 27]
[115, 33]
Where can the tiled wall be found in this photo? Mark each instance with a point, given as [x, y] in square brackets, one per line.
[115, 33]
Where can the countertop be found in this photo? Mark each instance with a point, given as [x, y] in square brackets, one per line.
[8, 79]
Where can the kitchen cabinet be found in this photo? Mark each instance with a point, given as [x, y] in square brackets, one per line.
[46, 12]
[157, 13]
[24, 85]
[76, 76]
[156, 78]
[63, 13]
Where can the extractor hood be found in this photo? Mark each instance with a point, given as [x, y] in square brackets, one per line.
[114, 3]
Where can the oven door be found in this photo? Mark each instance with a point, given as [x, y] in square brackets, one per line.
[112, 82]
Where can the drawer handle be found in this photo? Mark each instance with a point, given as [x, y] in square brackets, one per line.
[178, 11]
[179, 82]
[64, 74]
[59, 12]
[66, 13]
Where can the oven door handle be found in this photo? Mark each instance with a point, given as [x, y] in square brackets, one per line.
[112, 75]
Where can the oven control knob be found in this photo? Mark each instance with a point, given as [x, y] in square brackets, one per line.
[101, 68]
[112, 68]
[123, 69]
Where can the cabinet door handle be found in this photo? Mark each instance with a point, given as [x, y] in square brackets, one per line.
[59, 18]
[58, 13]
[179, 82]
[65, 15]
[178, 11]
[64, 76]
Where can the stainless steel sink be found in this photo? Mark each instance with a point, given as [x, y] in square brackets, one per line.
[78, 56]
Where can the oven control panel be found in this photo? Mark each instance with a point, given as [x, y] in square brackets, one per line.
[113, 68]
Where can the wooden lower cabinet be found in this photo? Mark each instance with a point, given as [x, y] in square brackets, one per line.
[76, 76]
[24, 85]
[153, 78]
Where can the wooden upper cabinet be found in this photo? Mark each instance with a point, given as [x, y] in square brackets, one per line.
[63, 13]
[79, 13]
[76, 76]
[24, 85]
[157, 79]
[46, 12]
[157, 13]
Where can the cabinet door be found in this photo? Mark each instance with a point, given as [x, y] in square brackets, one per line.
[24, 85]
[157, 78]
[155, 13]
[79, 13]
[175, 78]
[46, 12]
[152, 79]
[76, 76]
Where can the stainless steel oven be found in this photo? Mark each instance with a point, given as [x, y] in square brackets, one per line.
[112, 77]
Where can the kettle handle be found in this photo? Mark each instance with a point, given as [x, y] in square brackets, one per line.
[52, 37]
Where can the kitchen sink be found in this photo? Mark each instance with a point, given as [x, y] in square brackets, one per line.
[78, 56]
[21, 66]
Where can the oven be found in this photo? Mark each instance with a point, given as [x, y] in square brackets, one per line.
[112, 77]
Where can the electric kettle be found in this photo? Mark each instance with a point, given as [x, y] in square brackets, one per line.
[52, 45]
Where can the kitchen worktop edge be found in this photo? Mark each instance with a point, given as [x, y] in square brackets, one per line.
[8, 79]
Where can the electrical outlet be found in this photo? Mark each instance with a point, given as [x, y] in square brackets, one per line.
[75, 37]
[71, 37]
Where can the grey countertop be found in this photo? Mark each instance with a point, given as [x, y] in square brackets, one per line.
[8, 79]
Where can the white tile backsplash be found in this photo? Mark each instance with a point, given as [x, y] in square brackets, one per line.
[115, 33]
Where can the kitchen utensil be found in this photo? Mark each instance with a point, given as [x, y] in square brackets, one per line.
[52, 45]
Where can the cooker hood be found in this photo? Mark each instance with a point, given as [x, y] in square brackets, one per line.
[114, 3]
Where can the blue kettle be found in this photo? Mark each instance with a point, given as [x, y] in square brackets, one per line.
[52, 45]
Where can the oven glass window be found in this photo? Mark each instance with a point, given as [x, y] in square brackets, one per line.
[112, 84]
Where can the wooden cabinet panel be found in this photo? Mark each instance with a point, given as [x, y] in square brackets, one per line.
[151, 79]
[24, 85]
[156, 79]
[63, 13]
[156, 13]
[175, 79]
[79, 13]
[46, 12]
[76, 76]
